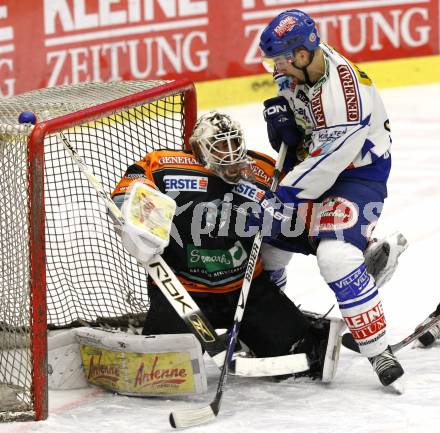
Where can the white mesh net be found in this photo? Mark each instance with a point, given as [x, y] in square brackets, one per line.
[89, 274]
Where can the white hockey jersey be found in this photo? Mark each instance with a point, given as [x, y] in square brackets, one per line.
[344, 122]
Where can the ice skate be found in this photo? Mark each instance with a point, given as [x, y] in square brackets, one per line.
[381, 256]
[387, 367]
[429, 338]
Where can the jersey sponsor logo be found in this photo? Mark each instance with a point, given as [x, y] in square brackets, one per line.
[180, 160]
[368, 323]
[135, 176]
[248, 190]
[331, 135]
[216, 260]
[336, 213]
[325, 138]
[269, 208]
[185, 183]
[318, 109]
[260, 173]
[350, 93]
[301, 95]
[251, 192]
[285, 25]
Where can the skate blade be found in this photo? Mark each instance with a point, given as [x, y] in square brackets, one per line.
[397, 387]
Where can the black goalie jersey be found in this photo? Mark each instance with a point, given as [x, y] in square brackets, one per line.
[205, 255]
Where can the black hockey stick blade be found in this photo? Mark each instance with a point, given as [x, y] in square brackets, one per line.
[349, 342]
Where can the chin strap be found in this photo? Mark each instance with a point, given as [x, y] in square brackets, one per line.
[304, 69]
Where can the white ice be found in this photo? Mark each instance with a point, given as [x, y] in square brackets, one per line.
[355, 401]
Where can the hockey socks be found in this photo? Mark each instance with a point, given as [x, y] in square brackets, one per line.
[343, 268]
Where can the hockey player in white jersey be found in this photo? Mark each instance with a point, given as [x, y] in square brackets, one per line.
[333, 120]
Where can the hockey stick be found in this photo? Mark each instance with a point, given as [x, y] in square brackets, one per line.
[198, 416]
[349, 342]
[183, 303]
[158, 269]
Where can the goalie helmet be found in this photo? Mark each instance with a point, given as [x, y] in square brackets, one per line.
[288, 31]
[218, 144]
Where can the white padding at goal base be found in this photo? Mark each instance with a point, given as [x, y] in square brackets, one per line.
[65, 369]
[141, 365]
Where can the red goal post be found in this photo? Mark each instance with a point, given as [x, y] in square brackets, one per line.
[61, 260]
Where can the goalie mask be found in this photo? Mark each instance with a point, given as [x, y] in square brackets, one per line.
[218, 144]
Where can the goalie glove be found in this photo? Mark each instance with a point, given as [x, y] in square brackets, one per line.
[148, 217]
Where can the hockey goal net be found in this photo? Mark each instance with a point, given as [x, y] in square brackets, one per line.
[60, 260]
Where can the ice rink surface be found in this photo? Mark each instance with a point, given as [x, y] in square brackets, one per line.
[355, 401]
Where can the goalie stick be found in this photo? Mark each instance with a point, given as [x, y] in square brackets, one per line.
[185, 306]
[349, 342]
[198, 416]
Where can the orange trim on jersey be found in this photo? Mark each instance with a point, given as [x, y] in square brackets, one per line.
[264, 168]
[124, 184]
[160, 159]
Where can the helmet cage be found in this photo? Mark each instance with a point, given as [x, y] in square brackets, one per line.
[218, 144]
[224, 148]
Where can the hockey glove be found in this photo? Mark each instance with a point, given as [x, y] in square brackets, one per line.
[281, 126]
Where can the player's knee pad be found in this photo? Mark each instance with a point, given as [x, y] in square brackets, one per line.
[274, 258]
[337, 258]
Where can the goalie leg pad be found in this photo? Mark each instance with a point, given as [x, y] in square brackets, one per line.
[322, 345]
[140, 365]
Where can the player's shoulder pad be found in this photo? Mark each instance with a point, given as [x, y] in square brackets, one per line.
[263, 166]
[170, 158]
[258, 156]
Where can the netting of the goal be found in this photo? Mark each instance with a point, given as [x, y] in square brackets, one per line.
[89, 274]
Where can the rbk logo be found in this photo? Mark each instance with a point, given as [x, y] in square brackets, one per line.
[201, 328]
